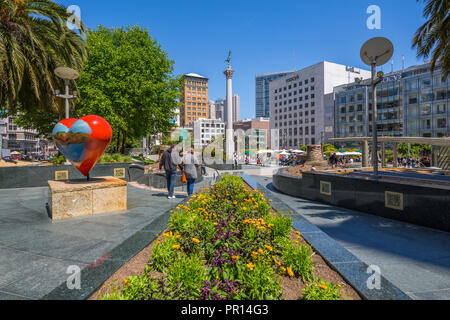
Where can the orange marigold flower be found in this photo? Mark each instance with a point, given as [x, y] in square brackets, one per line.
[261, 251]
[176, 246]
[251, 266]
[289, 271]
[269, 247]
[322, 286]
[195, 240]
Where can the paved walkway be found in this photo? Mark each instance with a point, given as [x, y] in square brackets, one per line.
[35, 253]
[415, 259]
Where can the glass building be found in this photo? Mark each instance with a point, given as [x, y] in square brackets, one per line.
[412, 102]
[262, 92]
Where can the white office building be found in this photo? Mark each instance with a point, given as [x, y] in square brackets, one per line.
[205, 130]
[298, 102]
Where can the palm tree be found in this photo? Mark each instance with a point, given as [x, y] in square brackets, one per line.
[433, 37]
[34, 40]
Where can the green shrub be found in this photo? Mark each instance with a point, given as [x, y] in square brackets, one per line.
[261, 283]
[164, 254]
[281, 225]
[299, 259]
[322, 290]
[187, 274]
[58, 159]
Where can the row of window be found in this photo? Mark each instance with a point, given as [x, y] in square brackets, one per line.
[295, 122]
[297, 131]
[300, 114]
[289, 101]
[299, 107]
[197, 83]
[194, 88]
[295, 86]
[292, 93]
[295, 143]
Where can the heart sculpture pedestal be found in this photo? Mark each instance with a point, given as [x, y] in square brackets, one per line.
[77, 198]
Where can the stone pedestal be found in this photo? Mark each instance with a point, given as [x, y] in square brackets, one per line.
[76, 198]
[315, 155]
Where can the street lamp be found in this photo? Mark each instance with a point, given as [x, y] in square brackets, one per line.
[66, 74]
[376, 52]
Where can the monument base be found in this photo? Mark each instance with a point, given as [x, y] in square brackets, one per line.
[76, 198]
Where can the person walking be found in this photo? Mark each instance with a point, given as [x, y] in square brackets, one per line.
[170, 160]
[190, 165]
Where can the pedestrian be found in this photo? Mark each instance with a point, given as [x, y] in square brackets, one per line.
[190, 165]
[235, 161]
[170, 160]
[413, 162]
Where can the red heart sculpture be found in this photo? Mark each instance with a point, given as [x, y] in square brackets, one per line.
[82, 141]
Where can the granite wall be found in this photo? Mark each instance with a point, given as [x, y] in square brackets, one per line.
[427, 206]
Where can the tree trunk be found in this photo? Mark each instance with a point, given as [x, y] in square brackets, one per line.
[124, 141]
[118, 142]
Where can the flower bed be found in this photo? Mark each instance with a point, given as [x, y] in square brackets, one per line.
[226, 243]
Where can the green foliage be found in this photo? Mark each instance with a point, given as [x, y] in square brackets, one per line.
[415, 150]
[281, 225]
[321, 290]
[188, 274]
[34, 41]
[261, 283]
[432, 38]
[299, 259]
[114, 158]
[164, 254]
[58, 159]
[128, 80]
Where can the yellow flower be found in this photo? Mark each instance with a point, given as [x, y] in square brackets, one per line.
[269, 248]
[270, 225]
[278, 263]
[270, 200]
[176, 246]
[165, 234]
[339, 285]
[261, 251]
[251, 266]
[322, 286]
[289, 271]
[235, 203]
[195, 240]
[126, 282]
[235, 257]
[297, 232]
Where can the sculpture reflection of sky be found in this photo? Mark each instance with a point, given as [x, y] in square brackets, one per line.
[72, 144]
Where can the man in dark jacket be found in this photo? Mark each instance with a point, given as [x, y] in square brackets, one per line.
[170, 160]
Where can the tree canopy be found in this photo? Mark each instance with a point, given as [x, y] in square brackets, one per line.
[127, 79]
[34, 41]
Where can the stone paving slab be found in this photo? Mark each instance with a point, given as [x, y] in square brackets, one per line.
[414, 258]
[35, 252]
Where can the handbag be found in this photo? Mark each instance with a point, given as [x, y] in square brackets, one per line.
[183, 178]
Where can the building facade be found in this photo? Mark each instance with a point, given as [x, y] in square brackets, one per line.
[298, 102]
[25, 141]
[412, 102]
[262, 92]
[194, 99]
[205, 130]
[220, 109]
[212, 110]
[259, 132]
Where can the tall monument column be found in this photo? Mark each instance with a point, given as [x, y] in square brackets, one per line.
[229, 148]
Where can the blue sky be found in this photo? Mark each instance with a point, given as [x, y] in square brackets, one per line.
[264, 36]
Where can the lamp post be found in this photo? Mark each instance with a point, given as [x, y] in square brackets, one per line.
[376, 52]
[66, 74]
